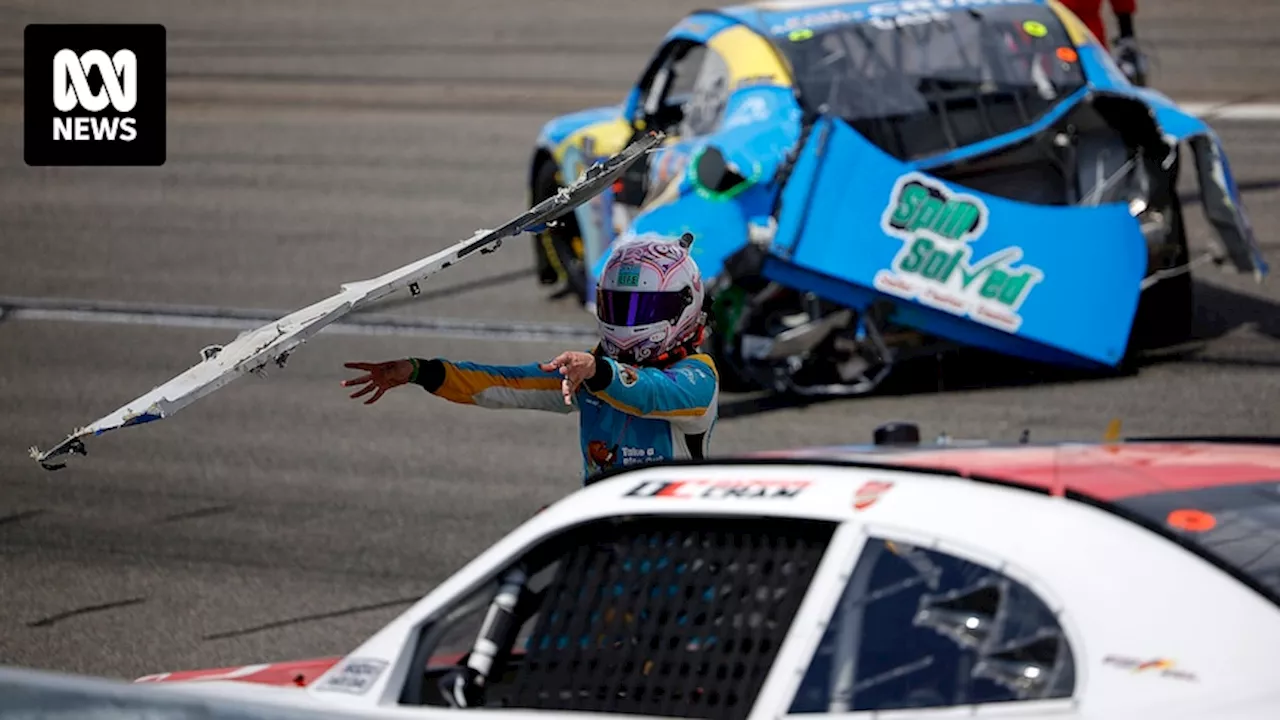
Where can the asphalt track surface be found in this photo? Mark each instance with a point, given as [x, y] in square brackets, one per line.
[312, 143]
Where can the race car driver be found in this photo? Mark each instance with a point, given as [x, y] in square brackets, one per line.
[1090, 11]
[643, 394]
[1126, 53]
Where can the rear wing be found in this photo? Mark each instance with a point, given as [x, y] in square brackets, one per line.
[253, 350]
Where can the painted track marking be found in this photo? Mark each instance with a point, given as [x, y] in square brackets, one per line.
[160, 315]
[1228, 110]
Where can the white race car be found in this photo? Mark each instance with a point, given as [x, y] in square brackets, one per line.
[1121, 579]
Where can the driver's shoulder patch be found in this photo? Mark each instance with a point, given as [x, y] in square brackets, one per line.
[628, 375]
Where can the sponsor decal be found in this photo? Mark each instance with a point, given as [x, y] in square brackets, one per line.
[601, 455]
[629, 275]
[814, 21]
[94, 95]
[1035, 29]
[718, 489]
[1163, 667]
[752, 110]
[867, 495]
[355, 676]
[935, 265]
[818, 19]
[691, 372]
[634, 456]
[627, 375]
[907, 20]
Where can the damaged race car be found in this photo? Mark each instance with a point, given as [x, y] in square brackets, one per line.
[1119, 579]
[873, 181]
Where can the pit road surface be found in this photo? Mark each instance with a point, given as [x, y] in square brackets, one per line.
[320, 142]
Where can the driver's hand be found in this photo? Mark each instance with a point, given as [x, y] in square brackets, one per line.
[378, 376]
[575, 367]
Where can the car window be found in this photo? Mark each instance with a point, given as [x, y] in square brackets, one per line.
[669, 86]
[707, 96]
[677, 617]
[684, 71]
[919, 628]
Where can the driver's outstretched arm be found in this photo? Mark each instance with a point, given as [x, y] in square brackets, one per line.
[493, 386]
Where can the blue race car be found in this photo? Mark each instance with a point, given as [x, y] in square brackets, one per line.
[869, 181]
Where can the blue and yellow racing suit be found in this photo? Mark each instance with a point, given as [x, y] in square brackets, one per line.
[628, 415]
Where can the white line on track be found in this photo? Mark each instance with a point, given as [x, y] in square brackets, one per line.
[122, 313]
[1227, 110]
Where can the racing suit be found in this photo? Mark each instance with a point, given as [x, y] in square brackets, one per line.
[628, 415]
[1090, 12]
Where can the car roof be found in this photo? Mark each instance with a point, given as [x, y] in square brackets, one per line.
[1156, 483]
[1102, 471]
[763, 14]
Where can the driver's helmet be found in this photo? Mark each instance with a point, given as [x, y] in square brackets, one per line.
[649, 300]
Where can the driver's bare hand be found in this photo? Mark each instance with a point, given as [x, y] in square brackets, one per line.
[378, 376]
[576, 367]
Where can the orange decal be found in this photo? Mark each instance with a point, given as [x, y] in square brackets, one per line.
[869, 493]
[1192, 520]
[1068, 55]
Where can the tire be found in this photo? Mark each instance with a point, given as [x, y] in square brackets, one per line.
[1166, 311]
[558, 249]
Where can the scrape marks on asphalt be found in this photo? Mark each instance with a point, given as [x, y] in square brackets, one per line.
[308, 618]
[200, 513]
[20, 516]
[85, 610]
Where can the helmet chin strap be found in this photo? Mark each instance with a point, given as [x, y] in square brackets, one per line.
[681, 351]
[670, 357]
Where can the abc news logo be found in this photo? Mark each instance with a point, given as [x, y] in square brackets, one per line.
[95, 95]
[71, 91]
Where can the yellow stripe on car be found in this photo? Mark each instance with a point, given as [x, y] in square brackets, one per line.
[608, 137]
[749, 57]
[1076, 29]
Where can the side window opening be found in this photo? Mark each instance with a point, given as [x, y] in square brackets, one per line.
[708, 94]
[919, 628]
[672, 85]
[679, 617]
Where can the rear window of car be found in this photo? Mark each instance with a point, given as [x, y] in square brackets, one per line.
[1237, 526]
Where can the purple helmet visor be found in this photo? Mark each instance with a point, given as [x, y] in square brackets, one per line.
[629, 308]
